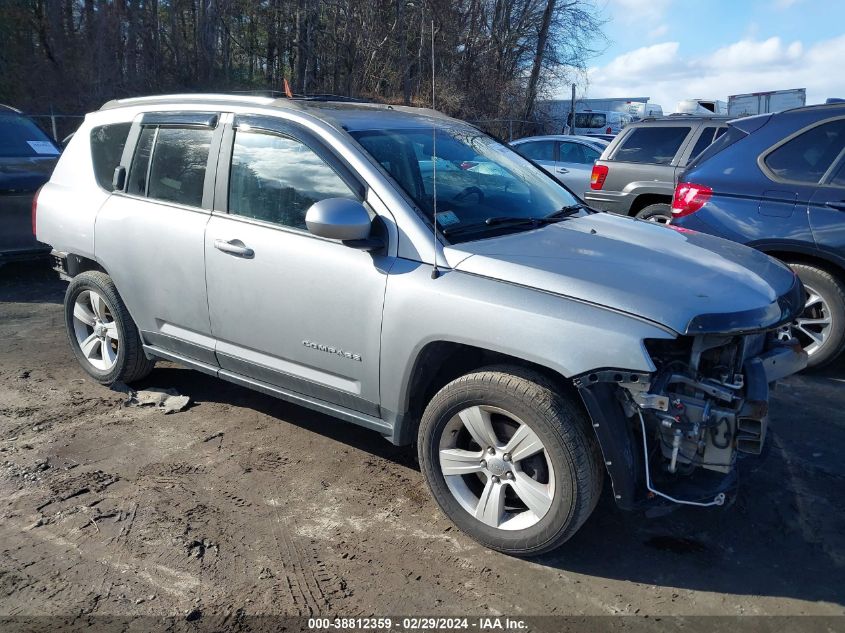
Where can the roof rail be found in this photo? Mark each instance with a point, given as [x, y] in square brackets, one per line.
[258, 97]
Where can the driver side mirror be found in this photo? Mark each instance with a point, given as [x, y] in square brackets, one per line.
[342, 219]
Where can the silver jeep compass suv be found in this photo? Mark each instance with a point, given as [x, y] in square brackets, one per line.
[403, 271]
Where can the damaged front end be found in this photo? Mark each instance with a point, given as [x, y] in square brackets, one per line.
[676, 434]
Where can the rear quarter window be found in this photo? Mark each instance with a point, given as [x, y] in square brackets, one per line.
[655, 145]
[806, 157]
[537, 150]
[107, 143]
[590, 120]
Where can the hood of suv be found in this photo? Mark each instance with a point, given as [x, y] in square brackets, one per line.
[687, 281]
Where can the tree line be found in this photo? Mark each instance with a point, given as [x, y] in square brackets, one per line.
[492, 58]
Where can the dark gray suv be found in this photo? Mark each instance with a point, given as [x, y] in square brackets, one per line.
[636, 174]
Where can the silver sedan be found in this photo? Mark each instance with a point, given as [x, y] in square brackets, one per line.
[569, 158]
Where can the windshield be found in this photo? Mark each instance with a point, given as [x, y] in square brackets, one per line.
[20, 137]
[477, 178]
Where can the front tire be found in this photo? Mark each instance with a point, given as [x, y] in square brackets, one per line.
[101, 332]
[510, 460]
[821, 326]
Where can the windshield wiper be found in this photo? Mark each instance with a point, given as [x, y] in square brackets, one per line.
[521, 219]
[555, 216]
[516, 220]
[512, 220]
[568, 211]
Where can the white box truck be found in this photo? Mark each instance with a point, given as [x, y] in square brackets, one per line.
[763, 102]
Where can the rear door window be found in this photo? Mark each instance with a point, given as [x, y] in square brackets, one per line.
[170, 164]
[537, 150]
[577, 153]
[141, 162]
[809, 155]
[107, 142]
[656, 145]
[20, 137]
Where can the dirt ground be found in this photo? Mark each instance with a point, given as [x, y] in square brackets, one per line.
[247, 504]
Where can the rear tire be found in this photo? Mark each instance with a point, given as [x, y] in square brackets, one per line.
[660, 213]
[826, 301]
[561, 480]
[101, 332]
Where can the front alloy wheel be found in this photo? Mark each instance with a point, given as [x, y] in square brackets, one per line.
[497, 468]
[511, 459]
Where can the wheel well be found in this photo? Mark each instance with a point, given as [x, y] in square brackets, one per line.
[78, 264]
[642, 201]
[441, 362]
[802, 258]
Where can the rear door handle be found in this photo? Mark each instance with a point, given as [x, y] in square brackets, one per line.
[562, 170]
[234, 247]
[840, 206]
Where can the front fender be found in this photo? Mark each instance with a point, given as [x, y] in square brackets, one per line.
[567, 336]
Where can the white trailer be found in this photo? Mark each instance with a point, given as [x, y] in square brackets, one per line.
[702, 107]
[636, 107]
[763, 102]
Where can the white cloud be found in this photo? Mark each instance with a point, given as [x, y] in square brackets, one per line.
[658, 31]
[749, 53]
[662, 72]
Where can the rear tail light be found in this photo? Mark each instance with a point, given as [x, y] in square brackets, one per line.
[35, 208]
[689, 198]
[609, 131]
[598, 176]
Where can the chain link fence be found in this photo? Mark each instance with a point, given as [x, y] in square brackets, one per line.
[57, 126]
[512, 129]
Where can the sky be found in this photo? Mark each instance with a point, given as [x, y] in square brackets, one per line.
[670, 50]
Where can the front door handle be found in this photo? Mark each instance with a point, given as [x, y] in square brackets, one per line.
[840, 205]
[234, 247]
[562, 170]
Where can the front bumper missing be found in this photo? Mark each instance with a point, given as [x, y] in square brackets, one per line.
[624, 442]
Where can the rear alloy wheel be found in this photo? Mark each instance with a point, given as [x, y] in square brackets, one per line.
[660, 213]
[95, 330]
[101, 332]
[510, 460]
[820, 328]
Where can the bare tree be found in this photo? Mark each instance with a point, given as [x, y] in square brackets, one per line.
[493, 58]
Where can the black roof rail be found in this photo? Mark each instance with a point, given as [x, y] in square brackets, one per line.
[280, 94]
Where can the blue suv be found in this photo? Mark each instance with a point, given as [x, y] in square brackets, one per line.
[776, 182]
